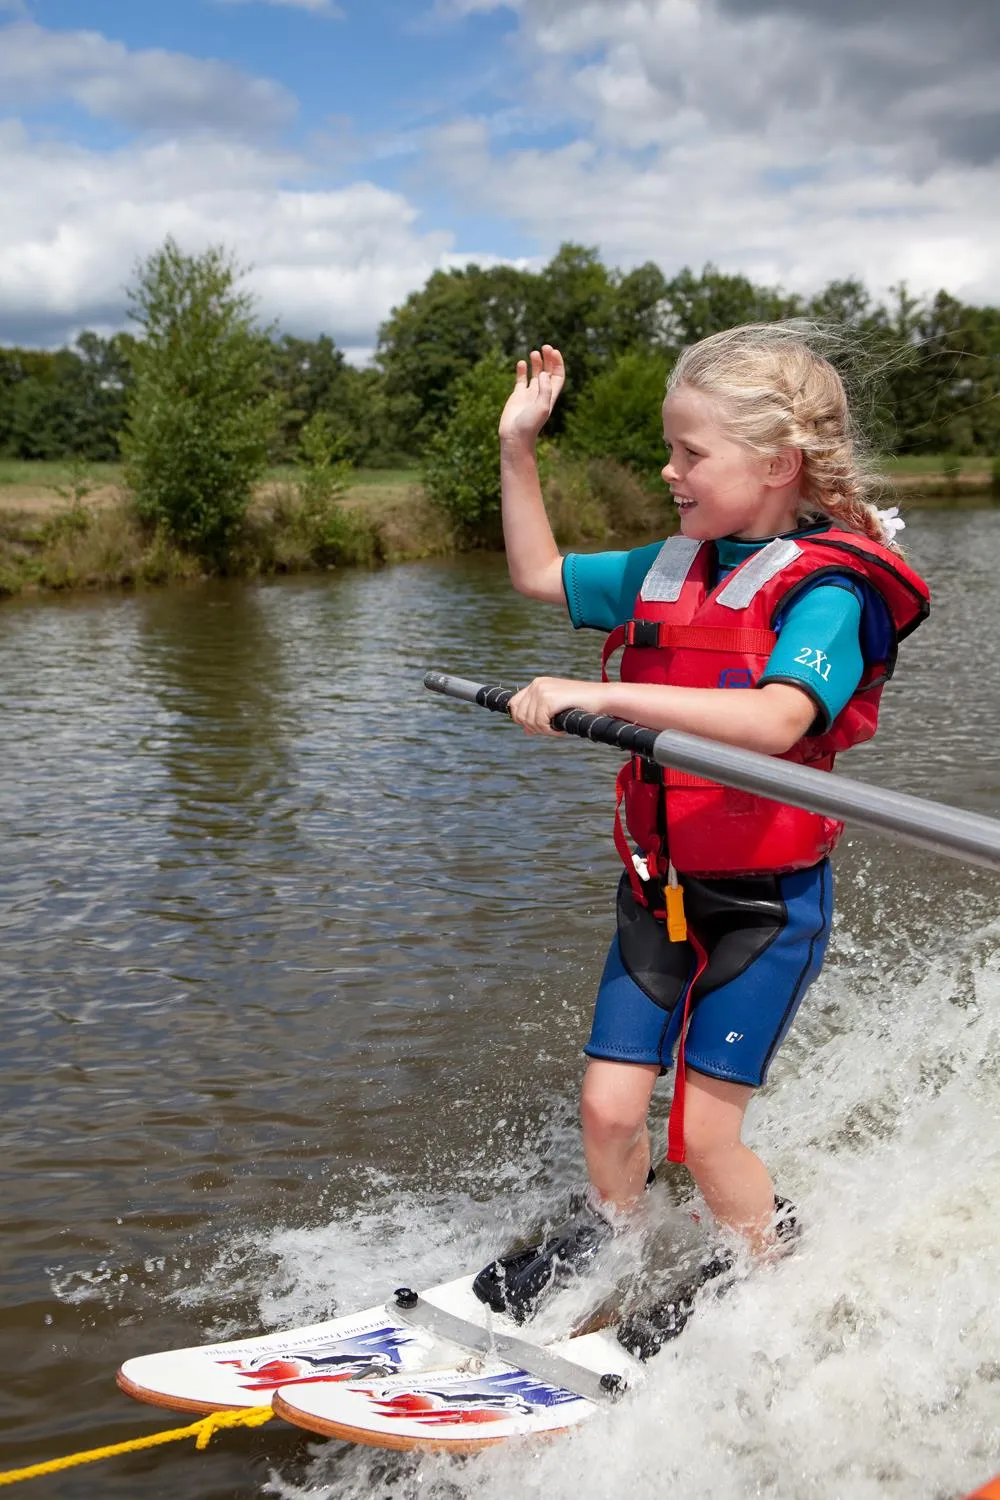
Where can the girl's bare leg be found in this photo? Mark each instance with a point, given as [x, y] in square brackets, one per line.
[613, 1106]
[734, 1182]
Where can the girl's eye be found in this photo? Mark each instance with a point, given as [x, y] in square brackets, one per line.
[691, 453]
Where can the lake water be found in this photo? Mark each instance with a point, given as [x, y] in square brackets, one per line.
[297, 962]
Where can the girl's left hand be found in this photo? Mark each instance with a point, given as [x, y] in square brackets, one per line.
[535, 706]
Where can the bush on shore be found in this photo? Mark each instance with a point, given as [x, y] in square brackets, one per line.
[462, 463]
[200, 420]
[598, 500]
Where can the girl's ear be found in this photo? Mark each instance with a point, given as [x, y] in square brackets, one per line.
[784, 468]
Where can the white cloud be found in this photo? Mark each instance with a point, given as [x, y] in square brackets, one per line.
[907, 73]
[711, 199]
[148, 90]
[76, 221]
[754, 139]
[738, 131]
[317, 7]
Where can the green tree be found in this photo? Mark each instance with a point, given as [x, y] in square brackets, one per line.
[639, 308]
[431, 342]
[462, 463]
[846, 303]
[200, 418]
[619, 415]
[66, 403]
[959, 372]
[576, 311]
[701, 305]
[306, 373]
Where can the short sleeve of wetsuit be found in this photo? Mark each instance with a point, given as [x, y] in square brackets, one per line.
[819, 648]
[600, 587]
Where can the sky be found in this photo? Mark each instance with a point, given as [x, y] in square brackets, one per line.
[345, 149]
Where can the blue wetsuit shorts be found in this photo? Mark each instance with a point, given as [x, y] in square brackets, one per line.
[764, 937]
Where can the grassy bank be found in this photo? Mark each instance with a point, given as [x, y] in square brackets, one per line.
[63, 527]
[59, 531]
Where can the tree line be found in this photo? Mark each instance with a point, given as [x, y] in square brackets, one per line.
[926, 372]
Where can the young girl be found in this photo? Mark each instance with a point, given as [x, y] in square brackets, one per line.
[783, 581]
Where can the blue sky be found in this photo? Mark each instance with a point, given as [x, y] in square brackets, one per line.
[347, 148]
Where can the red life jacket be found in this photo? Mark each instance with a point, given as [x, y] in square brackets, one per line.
[687, 633]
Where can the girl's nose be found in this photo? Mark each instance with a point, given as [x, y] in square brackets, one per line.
[668, 473]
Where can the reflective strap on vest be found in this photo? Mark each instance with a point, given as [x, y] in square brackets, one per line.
[671, 566]
[751, 576]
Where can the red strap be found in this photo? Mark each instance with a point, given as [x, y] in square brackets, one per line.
[675, 1129]
[672, 778]
[692, 638]
[614, 640]
[720, 638]
[621, 842]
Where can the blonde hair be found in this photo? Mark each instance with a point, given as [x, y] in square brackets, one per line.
[775, 390]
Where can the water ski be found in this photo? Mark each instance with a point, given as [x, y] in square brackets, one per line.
[439, 1370]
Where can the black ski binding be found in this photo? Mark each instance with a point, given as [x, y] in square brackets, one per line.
[644, 1332]
[515, 1283]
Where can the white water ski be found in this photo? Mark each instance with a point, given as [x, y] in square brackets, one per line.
[381, 1378]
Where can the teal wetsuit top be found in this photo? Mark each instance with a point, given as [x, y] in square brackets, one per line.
[825, 618]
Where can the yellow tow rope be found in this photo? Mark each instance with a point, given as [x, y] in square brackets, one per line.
[201, 1431]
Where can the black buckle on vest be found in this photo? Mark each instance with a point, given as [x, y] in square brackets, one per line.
[642, 633]
[648, 772]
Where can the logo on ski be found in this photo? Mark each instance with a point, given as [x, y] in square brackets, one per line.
[490, 1399]
[357, 1358]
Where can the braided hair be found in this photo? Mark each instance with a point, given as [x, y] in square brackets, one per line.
[776, 391]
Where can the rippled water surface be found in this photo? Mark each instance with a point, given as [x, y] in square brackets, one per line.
[297, 962]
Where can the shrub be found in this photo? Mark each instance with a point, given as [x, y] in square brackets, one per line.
[598, 500]
[199, 420]
[330, 534]
[462, 461]
[619, 414]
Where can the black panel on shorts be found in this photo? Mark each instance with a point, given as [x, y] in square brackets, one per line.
[734, 919]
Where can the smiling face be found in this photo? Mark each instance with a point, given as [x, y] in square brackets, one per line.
[720, 487]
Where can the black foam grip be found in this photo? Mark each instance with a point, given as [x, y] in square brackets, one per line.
[495, 698]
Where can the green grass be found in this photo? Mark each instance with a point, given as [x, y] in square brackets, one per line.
[933, 463]
[46, 473]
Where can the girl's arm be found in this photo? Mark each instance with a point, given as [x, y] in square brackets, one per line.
[533, 559]
[769, 719]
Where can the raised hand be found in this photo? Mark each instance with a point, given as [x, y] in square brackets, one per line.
[531, 401]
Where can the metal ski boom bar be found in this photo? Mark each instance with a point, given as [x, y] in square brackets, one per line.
[929, 825]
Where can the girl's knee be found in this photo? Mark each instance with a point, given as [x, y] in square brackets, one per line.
[608, 1116]
[713, 1117]
[707, 1136]
[703, 1143]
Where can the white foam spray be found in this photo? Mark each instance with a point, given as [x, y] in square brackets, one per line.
[864, 1367]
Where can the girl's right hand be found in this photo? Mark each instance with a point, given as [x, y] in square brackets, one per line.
[531, 401]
